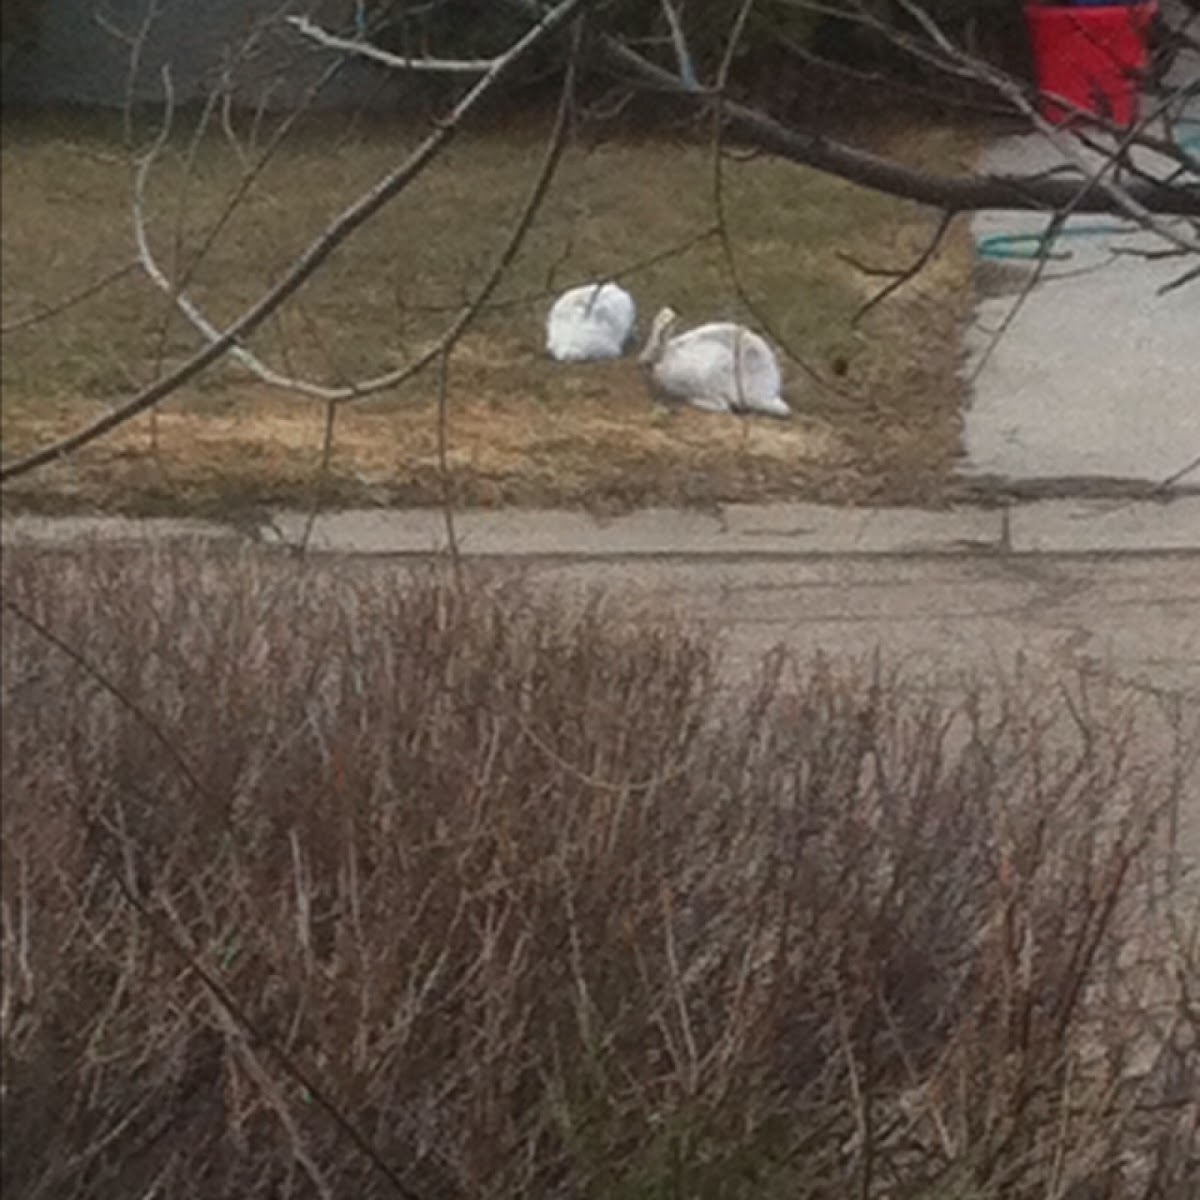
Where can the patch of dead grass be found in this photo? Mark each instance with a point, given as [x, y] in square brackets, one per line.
[523, 430]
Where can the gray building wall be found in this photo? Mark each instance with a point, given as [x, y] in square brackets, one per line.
[79, 56]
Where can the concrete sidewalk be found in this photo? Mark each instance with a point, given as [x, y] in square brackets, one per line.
[732, 531]
[1111, 587]
[1108, 587]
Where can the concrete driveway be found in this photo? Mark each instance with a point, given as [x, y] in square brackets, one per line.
[1097, 377]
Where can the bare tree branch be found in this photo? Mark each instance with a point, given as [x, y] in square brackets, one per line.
[364, 49]
[550, 288]
[683, 56]
[309, 261]
[823, 153]
[176, 293]
[1044, 257]
[245, 357]
[900, 278]
[1084, 189]
[1189, 276]
[722, 217]
[327, 436]
[445, 346]
[1175, 477]
[1121, 198]
[1046, 240]
[443, 454]
[60, 306]
[126, 701]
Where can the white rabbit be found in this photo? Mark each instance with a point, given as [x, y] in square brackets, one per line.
[719, 367]
[589, 322]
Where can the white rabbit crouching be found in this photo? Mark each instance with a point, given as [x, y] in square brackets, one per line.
[590, 322]
[720, 367]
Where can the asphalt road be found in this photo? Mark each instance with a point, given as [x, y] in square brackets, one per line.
[1099, 596]
[1117, 634]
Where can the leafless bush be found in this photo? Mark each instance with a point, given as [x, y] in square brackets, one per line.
[349, 883]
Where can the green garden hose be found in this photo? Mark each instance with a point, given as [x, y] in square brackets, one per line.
[1008, 245]
[1030, 245]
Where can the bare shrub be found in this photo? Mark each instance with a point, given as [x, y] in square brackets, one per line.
[336, 880]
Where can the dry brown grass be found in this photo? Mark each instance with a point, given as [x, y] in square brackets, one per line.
[523, 430]
[541, 910]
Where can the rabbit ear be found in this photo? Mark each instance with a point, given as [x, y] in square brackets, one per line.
[718, 367]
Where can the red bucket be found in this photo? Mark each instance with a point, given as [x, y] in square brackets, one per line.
[1091, 57]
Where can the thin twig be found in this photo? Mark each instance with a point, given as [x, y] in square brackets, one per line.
[176, 293]
[586, 777]
[909, 273]
[516, 238]
[722, 218]
[253, 171]
[256, 1036]
[126, 701]
[621, 273]
[832, 156]
[1189, 276]
[306, 264]
[60, 306]
[996, 336]
[683, 56]
[322, 476]
[363, 49]
[160, 927]
[245, 357]
[1093, 179]
[443, 440]
[1120, 196]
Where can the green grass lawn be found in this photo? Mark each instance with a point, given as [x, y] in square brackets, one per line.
[523, 429]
